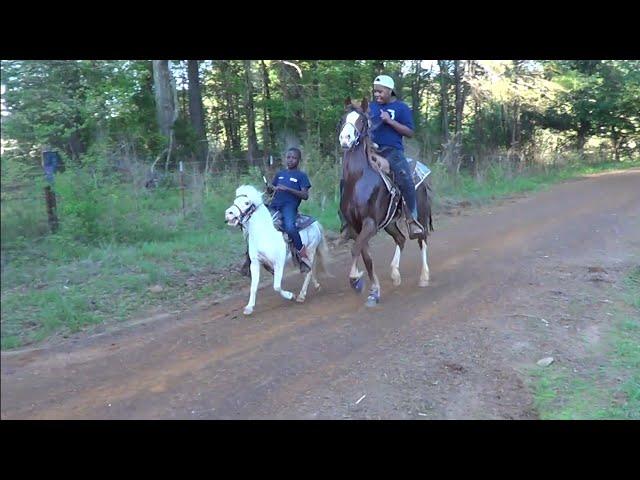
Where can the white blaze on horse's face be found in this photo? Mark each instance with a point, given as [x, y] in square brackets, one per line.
[349, 134]
[233, 213]
[231, 216]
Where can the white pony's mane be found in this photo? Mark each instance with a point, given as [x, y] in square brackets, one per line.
[251, 192]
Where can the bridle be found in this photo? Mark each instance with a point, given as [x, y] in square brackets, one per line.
[359, 135]
[244, 216]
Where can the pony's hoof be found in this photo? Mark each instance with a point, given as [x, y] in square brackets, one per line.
[396, 281]
[423, 283]
[247, 311]
[357, 284]
[300, 299]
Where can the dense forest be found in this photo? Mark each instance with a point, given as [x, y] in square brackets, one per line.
[220, 114]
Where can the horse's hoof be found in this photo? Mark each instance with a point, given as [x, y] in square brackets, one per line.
[317, 287]
[248, 311]
[423, 283]
[357, 284]
[300, 299]
[396, 281]
[372, 301]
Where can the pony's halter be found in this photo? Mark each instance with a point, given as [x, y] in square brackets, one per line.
[246, 215]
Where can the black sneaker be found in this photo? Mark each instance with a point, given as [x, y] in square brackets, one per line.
[415, 230]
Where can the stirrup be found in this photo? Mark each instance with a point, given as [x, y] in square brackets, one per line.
[415, 235]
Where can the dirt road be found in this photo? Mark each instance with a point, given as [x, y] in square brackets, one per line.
[510, 284]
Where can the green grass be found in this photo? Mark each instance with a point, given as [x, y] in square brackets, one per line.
[610, 387]
[115, 242]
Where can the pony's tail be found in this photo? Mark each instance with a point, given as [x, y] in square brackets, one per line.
[322, 255]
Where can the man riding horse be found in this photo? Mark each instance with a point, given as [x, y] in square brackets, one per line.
[391, 120]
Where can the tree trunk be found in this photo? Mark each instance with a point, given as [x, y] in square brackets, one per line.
[165, 106]
[183, 93]
[235, 109]
[515, 132]
[516, 122]
[268, 136]
[228, 116]
[615, 140]
[416, 88]
[459, 106]
[252, 141]
[292, 95]
[460, 93]
[582, 130]
[444, 101]
[505, 127]
[196, 112]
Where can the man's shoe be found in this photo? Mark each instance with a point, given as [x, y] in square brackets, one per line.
[415, 229]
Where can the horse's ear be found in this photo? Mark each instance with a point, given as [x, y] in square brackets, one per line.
[347, 103]
[364, 105]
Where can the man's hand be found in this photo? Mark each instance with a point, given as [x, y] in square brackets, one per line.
[386, 118]
[282, 188]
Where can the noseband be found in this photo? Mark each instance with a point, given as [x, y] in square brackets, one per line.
[359, 135]
[245, 216]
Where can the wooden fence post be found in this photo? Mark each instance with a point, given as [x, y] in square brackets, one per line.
[182, 186]
[50, 198]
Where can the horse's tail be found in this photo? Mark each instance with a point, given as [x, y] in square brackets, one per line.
[430, 197]
[427, 220]
[322, 254]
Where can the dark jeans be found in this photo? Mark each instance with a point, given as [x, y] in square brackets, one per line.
[399, 165]
[289, 214]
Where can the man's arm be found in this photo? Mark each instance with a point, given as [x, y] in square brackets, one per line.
[397, 126]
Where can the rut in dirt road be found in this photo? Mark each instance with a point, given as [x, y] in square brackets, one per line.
[459, 348]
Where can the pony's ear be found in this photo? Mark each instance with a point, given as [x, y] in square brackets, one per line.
[347, 103]
[364, 105]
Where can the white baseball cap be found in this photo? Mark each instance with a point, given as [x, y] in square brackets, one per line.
[385, 81]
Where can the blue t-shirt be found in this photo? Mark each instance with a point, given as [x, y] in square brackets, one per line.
[295, 179]
[386, 135]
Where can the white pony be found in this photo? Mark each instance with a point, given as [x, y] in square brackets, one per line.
[268, 246]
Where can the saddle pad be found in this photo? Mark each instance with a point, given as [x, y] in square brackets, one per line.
[420, 172]
[302, 221]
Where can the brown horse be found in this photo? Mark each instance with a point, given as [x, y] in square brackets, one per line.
[370, 202]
